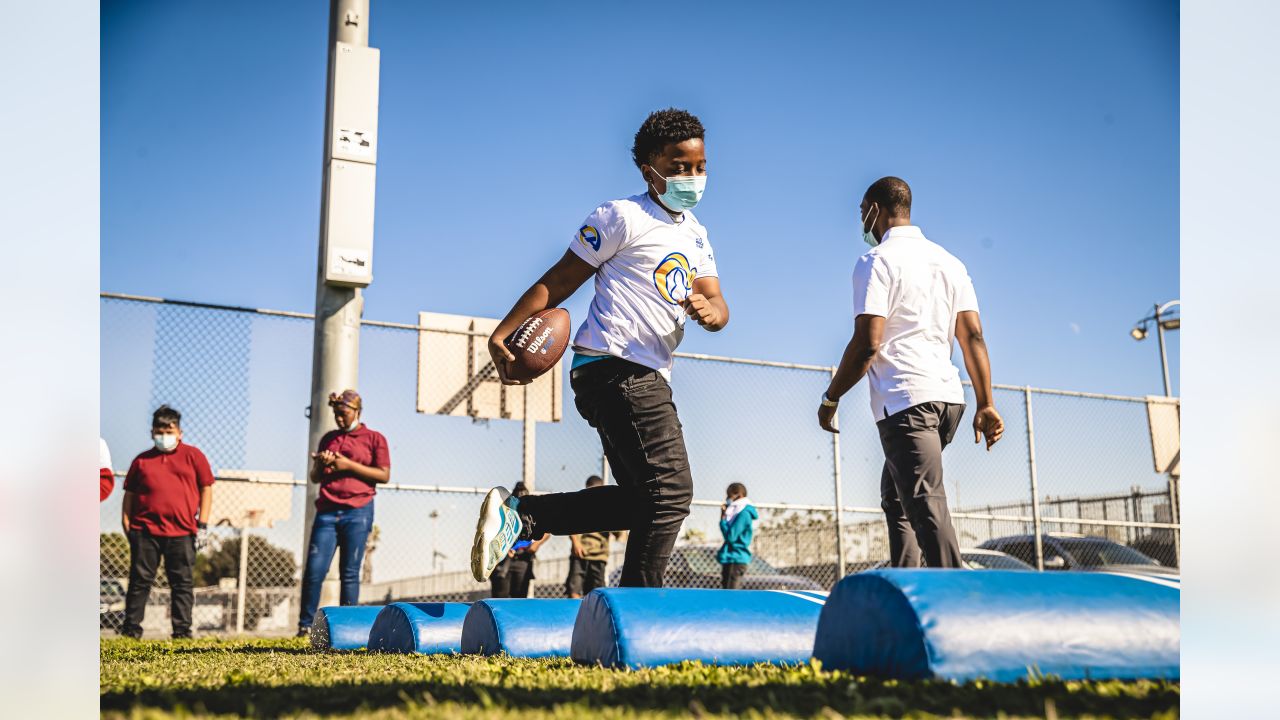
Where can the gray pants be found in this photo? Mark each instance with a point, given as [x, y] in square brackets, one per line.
[911, 491]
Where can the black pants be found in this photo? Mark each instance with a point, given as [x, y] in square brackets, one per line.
[584, 576]
[145, 552]
[731, 575]
[630, 407]
[511, 578]
[911, 490]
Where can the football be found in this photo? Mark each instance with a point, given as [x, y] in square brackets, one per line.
[538, 344]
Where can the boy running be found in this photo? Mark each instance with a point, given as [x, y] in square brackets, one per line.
[653, 266]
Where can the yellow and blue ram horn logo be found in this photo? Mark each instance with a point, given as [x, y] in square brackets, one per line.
[674, 278]
[590, 237]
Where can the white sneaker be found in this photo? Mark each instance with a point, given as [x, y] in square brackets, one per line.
[496, 532]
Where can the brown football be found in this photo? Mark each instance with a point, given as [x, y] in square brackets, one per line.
[538, 344]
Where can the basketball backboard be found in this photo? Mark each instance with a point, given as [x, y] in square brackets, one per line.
[1164, 420]
[456, 375]
[264, 500]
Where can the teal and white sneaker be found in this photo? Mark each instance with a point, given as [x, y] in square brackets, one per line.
[498, 529]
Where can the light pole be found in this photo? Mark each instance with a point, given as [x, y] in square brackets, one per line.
[1163, 321]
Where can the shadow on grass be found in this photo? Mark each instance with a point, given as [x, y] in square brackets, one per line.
[844, 695]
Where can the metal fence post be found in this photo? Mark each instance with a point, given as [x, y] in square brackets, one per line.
[835, 473]
[242, 580]
[1175, 517]
[1035, 485]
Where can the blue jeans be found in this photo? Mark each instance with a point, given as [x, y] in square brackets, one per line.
[347, 529]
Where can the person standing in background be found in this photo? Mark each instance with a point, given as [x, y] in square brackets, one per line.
[737, 516]
[590, 556]
[349, 464]
[167, 495]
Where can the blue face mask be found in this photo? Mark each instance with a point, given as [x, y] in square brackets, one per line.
[683, 191]
[867, 236]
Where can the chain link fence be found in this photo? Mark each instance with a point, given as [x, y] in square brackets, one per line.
[241, 378]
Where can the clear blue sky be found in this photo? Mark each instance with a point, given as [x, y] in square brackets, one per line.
[1041, 141]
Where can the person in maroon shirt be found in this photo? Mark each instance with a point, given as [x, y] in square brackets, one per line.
[167, 493]
[349, 463]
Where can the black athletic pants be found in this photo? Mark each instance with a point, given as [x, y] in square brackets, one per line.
[731, 575]
[630, 406]
[511, 578]
[911, 490]
[145, 553]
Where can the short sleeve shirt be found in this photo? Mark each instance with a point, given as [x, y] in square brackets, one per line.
[339, 490]
[919, 289]
[645, 264]
[166, 488]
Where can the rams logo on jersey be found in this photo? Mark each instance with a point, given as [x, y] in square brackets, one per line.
[590, 237]
[674, 278]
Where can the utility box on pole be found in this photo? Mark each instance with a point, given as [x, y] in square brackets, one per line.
[352, 158]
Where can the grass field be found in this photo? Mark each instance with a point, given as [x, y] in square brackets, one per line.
[284, 678]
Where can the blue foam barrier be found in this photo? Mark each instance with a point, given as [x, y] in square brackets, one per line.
[520, 627]
[644, 627]
[343, 627]
[1001, 625]
[426, 628]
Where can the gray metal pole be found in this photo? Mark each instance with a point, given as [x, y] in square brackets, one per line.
[835, 473]
[1164, 359]
[1035, 484]
[529, 449]
[335, 360]
[243, 578]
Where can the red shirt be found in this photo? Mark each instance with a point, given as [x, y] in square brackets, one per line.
[340, 490]
[166, 489]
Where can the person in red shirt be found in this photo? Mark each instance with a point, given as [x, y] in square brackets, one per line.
[350, 462]
[106, 476]
[167, 494]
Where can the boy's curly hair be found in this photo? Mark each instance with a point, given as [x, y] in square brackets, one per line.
[662, 128]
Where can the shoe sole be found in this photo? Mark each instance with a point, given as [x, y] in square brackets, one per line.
[478, 549]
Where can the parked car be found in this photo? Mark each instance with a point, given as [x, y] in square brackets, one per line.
[1067, 551]
[974, 559]
[111, 604]
[696, 567]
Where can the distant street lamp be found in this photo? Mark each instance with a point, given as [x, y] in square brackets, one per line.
[1163, 321]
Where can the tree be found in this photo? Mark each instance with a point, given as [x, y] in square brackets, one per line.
[268, 565]
[113, 555]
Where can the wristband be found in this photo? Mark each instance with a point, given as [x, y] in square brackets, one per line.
[827, 401]
[202, 525]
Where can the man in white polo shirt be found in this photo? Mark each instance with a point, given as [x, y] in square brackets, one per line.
[653, 269]
[911, 299]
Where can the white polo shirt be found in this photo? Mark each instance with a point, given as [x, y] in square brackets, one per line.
[645, 265]
[918, 288]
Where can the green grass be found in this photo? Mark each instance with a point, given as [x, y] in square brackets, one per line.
[284, 678]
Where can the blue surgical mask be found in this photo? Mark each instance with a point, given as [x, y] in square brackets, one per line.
[683, 191]
[867, 236]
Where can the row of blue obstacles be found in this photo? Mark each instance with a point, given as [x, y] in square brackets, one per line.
[905, 624]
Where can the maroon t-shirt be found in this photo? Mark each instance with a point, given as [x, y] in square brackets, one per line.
[340, 490]
[166, 489]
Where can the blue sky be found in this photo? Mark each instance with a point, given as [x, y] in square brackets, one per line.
[1041, 141]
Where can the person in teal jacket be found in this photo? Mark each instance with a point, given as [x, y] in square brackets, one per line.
[736, 517]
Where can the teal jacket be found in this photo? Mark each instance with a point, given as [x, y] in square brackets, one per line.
[737, 537]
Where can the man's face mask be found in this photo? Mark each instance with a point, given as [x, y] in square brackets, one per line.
[867, 236]
[683, 191]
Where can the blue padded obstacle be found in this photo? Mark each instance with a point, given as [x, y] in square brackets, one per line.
[639, 627]
[1001, 625]
[343, 627]
[520, 627]
[425, 628]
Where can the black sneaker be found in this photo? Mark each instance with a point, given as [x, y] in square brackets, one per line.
[303, 632]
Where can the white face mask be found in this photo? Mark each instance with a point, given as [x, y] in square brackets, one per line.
[867, 236]
[165, 442]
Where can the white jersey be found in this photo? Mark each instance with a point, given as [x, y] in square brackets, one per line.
[104, 455]
[645, 265]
